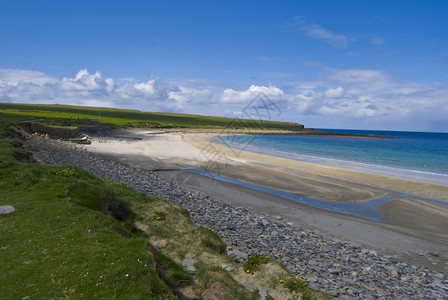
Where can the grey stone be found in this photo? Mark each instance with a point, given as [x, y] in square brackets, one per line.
[187, 262]
[349, 281]
[334, 271]
[233, 254]
[264, 293]
[227, 268]
[6, 209]
[250, 286]
[191, 270]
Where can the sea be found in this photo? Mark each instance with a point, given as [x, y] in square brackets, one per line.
[421, 156]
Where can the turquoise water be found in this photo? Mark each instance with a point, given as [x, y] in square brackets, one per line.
[415, 155]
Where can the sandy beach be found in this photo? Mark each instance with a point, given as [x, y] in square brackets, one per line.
[407, 222]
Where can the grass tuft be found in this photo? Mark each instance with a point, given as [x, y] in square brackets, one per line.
[296, 284]
[254, 262]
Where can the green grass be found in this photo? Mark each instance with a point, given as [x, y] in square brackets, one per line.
[56, 244]
[57, 115]
[71, 235]
[7, 150]
[254, 262]
[172, 272]
[212, 241]
[296, 284]
[75, 236]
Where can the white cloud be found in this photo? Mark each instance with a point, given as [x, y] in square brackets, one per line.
[318, 32]
[307, 101]
[335, 93]
[355, 95]
[232, 96]
[357, 76]
[372, 93]
[82, 89]
[84, 81]
[15, 76]
[360, 80]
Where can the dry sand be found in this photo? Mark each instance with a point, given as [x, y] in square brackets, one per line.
[410, 227]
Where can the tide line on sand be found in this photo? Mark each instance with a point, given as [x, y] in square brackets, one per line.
[368, 209]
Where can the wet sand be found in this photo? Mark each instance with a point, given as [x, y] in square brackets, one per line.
[410, 226]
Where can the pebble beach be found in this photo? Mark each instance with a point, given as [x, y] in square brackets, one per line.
[343, 269]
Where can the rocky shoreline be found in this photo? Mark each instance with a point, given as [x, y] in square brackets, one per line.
[340, 268]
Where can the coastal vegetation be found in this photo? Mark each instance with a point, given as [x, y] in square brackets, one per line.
[72, 235]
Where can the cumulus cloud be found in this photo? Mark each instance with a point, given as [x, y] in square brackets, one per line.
[244, 97]
[154, 88]
[83, 81]
[84, 89]
[371, 94]
[335, 92]
[358, 94]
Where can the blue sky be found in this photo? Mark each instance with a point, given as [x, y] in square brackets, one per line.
[325, 64]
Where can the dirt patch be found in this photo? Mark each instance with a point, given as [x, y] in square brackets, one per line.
[216, 291]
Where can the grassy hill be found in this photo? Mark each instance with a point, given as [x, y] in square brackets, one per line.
[73, 235]
[64, 115]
